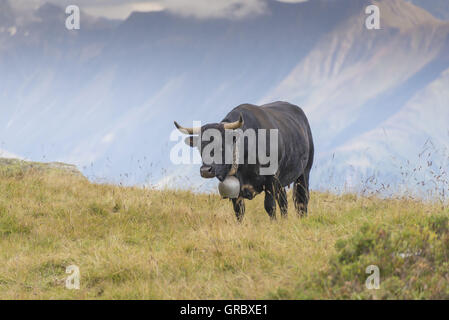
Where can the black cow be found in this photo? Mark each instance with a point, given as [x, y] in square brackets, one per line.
[295, 156]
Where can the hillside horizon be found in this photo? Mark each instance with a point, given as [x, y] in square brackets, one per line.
[136, 243]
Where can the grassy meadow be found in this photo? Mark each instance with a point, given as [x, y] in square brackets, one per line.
[134, 243]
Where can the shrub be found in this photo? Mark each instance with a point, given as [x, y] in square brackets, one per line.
[413, 260]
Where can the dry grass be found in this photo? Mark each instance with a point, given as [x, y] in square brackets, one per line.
[131, 243]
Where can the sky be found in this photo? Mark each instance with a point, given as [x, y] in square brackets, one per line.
[120, 9]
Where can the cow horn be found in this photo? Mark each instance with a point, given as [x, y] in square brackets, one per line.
[187, 130]
[234, 125]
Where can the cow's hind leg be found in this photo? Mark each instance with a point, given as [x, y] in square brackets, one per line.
[281, 198]
[270, 202]
[301, 194]
[239, 208]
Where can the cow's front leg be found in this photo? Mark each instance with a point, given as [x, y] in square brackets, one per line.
[239, 208]
[281, 197]
[270, 202]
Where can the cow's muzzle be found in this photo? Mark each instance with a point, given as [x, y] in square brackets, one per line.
[207, 172]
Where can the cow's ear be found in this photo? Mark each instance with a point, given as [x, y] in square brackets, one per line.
[191, 141]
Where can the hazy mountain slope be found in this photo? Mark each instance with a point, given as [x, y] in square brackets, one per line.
[112, 94]
[44, 66]
[353, 65]
[355, 79]
[104, 97]
[438, 8]
[409, 147]
[7, 18]
[412, 124]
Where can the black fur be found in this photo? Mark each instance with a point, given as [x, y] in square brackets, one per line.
[295, 156]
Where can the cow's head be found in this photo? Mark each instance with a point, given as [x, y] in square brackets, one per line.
[211, 166]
